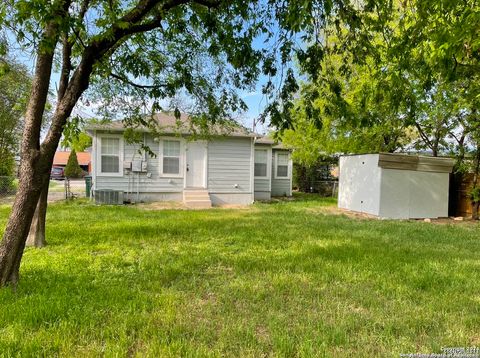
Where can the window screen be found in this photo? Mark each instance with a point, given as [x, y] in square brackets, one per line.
[261, 156]
[282, 165]
[110, 155]
[171, 157]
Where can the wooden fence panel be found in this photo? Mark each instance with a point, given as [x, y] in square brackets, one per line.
[459, 203]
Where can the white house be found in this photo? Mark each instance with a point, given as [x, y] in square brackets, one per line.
[395, 186]
[230, 166]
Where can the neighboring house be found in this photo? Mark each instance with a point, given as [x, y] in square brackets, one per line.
[230, 166]
[395, 186]
[84, 160]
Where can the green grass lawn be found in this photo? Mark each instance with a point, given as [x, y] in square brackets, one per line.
[284, 279]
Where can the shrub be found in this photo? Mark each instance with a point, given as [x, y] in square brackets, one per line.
[475, 194]
[73, 170]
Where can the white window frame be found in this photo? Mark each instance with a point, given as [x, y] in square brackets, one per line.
[289, 166]
[269, 163]
[181, 158]
[99, 155]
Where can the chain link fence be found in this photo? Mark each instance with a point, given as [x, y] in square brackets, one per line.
[326, 188]
[66, 189]
[74, 188]
[8, 189]
[58, 189]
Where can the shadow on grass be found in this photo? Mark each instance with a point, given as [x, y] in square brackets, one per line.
[115, 276]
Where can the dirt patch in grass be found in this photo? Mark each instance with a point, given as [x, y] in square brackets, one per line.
[334, 210]
[177, 205]
[162, 205]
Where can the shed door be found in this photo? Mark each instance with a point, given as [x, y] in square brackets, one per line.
[196, 164]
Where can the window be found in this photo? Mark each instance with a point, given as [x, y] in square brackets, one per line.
[110, 154]
[171, 157]
[261, 160]
[282, 166]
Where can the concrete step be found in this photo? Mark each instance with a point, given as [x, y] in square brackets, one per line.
[198, 204]
[197, 198]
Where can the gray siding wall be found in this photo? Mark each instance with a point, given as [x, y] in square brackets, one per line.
[280, 187]
[262, 189]
[133, 181]
[262, 184]
[229, 163]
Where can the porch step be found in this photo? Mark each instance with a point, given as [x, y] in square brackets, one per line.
[197, 198]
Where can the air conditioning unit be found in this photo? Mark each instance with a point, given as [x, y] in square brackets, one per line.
[108, 197]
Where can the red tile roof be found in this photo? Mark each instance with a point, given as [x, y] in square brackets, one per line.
[61, 158]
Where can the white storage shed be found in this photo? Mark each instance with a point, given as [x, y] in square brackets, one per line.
[396, 186]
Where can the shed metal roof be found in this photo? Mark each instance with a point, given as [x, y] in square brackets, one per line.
[415, 162]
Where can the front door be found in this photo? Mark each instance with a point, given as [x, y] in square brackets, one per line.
[196, 160]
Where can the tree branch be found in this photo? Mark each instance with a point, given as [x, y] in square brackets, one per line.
[101, 45]
[66, 66]
[83, 9]
[41, 81]
[67, 52]
[136, 85]
[423, 135]
[208, 3]
[94, 52]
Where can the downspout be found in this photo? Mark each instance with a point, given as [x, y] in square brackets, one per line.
[252, 170]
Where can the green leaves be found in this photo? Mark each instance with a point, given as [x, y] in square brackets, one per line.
[72, 169]
[393, 76]
[15, 85]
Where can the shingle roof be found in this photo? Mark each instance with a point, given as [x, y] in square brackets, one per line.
[168, 124]
[272, 142]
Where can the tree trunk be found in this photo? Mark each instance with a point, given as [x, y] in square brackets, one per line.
[36, 161]
[32, 166]
[36, 236]
[13, 243]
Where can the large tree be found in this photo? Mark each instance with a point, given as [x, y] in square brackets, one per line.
[142, 51]
[411, 85]
[417, 78]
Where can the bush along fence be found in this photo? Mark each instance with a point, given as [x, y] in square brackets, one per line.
[317, 178]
